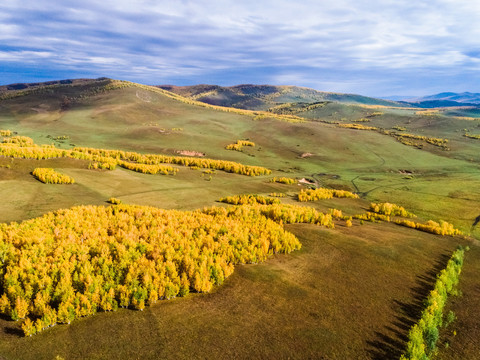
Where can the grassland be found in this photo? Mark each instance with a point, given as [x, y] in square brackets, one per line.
[350, 292]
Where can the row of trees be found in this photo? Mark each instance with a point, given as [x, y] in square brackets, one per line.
[284, 180]
[149, 169]
[390, 209]
[433, 227]
[249, 199]
[50, 176]
[73, 263]
[472, 136]
[155, 159]
[423, 336]
[323, 193]
[357, 127]
[23, 147]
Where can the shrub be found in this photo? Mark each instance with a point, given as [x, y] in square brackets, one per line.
[50, 176]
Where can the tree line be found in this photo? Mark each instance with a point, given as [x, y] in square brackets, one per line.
[423, 336]
[23, 147]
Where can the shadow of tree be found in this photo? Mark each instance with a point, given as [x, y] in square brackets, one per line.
[391, 342]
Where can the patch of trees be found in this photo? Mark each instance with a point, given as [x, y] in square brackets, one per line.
[472, 136]
[149, 169]
[284, 180]
[433, 227]
[357, 127]
[249, 199]
[423, 336]
[72, 263]
[5, 133]
[390, 210]
[323, 193]
[154, 159]
[19, 140]
[23, 147]
[50, 176]
[238, 146]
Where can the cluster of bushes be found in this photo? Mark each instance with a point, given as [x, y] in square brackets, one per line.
[149, 169]
[284, 180]
[362, 120]
[390, 209]
[238, 146]
[423, 336]
[5, 133]
[114, 201]
[73, 263]
[249, 199]
[357, 127]
[322, 193]
[442, 228]
[50, 176]
[277, 194]
[372, 217]
[19, 140]
[472, 136]
[406, 138]
[106, 164]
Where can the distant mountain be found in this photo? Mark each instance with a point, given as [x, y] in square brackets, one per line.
[263, 97]
[465, 98]
[24, 86]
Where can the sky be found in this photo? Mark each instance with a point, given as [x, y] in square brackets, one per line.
[375, 48]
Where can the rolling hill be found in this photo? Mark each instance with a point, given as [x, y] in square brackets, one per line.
[353, 290]
[264, 97]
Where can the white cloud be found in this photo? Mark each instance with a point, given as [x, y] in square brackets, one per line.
[291, 40]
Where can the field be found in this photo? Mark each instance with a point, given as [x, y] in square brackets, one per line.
[350, 292]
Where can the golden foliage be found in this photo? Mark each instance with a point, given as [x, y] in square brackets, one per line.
[284, 180]
[50, 176]
[149, 169]
[357, 127]
[5, 133]
[249, 199]
[322, 193]
[73, 263]
[390, 209]
[472, 136]
[433, 227]
[19, 140]
[238, 146]
[23, 147]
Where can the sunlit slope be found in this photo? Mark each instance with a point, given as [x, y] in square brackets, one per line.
[377, 166]
[263, 97]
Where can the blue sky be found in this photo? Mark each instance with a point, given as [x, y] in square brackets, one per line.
[376, 48]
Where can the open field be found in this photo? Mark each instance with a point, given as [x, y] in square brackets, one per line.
[350, 292]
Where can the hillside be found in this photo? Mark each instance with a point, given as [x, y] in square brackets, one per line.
[264, 97]
[152, 166]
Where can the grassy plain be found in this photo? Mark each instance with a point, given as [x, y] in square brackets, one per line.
[349, 293]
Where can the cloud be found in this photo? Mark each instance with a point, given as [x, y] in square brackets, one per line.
[341, 44]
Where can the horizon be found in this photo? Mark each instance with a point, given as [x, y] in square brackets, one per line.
[404, 49]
